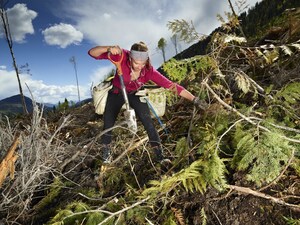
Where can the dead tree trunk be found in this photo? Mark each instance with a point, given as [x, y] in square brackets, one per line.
[233, 12]
[10, 45]
[7, 166]
[73, 61]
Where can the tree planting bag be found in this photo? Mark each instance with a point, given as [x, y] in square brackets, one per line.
[155, 98]
[99, 95]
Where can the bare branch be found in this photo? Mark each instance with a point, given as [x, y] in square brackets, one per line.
[245, 190]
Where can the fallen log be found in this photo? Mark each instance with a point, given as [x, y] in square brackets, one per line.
[7, 166]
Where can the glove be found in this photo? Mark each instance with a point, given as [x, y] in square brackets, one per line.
[200, 104]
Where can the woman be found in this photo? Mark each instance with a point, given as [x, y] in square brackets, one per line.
[136, 70]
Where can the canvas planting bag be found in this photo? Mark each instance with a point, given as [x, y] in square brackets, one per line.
[155, 98]
[99, 95]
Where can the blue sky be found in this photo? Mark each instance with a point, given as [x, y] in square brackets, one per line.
[47, 33]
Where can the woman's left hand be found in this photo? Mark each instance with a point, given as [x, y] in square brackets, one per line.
[201, 104]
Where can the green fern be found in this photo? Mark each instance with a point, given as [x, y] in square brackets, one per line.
[213, 167]
[244, 144]
[284, 105]
[203, 216]
[136, 215]
[169, 221]
[178, 70]
[291, 221]
[290, 94]
[196, 177]
[68, 215]
[242, 82]
[94, 218]
[296, 161]
[296, 165]
[185, 30]
[269, 54]
[214, 172]
[59, 218]
[263, 155]
[190, 178]
[233, 38]
[182, 148]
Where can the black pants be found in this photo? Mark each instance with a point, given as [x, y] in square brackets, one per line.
[113, 106]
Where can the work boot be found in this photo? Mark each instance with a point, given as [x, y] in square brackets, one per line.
[159, 158]
[106, 154]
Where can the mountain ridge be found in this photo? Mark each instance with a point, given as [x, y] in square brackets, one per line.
[13, 105]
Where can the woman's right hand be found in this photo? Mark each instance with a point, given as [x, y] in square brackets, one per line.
[114, 50]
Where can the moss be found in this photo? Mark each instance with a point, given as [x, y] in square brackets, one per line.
[54, 191]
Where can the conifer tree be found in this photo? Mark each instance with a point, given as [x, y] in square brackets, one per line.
[162, 43]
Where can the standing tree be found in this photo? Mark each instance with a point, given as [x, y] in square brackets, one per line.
[9, 41]
[162, 43]
[174, 40]
[235, 15]
[73, 61]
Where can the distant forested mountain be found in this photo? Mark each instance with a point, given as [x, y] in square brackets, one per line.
[13, 105]
[263, 14]
[255, 22]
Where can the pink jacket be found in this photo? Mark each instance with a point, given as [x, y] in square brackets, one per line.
[146, 75]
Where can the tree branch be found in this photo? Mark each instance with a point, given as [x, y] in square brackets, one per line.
[204, 83]
[124, 210]
[245, 190]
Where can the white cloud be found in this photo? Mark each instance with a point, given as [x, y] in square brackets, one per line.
[100, 74]
[20, 22]
[125, 22]
[105, 23]
[62, 35]
[41, 92]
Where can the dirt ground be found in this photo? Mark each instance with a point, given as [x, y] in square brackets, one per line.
[228, 208]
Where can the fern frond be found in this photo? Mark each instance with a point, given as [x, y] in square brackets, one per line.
[190, 178]
[286, 50]
[258, 52]
[295, 45]
[185, 30]
[77, 206]
[296, 165]
[59, 217]
[271, 53]
[231, 38]
[181, 147]
[240, 138]
[290, 94]
[95, 218]
[196, 177]
[242, 82]
[178, 215]
[291, 221]
[178, 70]
[271, 56]
[68, 216]
[264, 155]
[136, 215]
[203, 216]
[214, 172]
